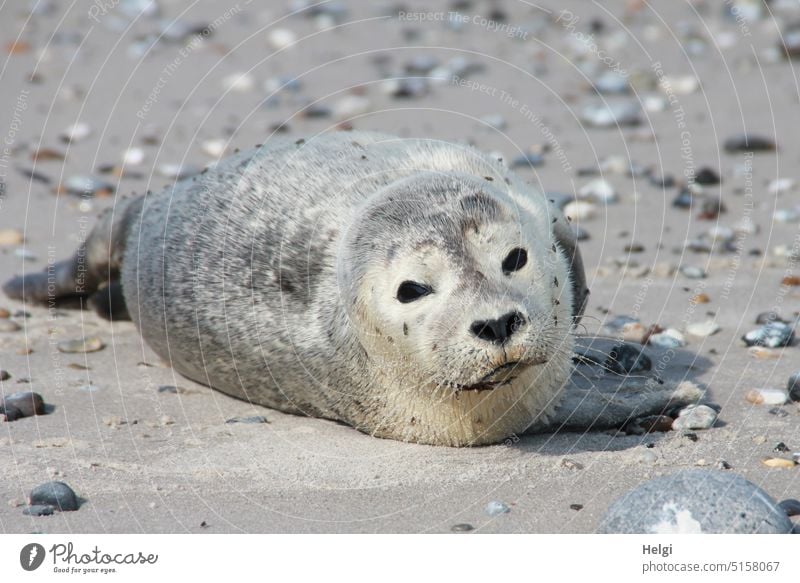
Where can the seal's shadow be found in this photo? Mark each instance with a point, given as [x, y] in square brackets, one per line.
[601, 404]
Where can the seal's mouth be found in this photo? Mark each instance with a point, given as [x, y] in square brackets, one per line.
[497, 377]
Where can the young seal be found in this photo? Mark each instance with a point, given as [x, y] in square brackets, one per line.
[414, 289]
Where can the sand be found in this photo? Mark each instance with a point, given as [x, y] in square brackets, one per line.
[146, 461]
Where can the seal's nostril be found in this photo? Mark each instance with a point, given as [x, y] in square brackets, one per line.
[499, 330]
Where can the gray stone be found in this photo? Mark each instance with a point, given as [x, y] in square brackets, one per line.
[496, 508]
[695, 417]
[793, 386]
[28, 403]
[771, 335]
[696, 501]
[56, 494]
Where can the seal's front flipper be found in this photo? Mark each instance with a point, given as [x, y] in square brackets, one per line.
[58, 281]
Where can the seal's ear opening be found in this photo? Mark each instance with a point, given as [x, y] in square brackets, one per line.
[568, 242]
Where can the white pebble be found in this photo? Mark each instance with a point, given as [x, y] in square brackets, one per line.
[351, 106]
[781, 185]
[281, 38]
[599, 191]
[239, 82]
[703, 329]
[133, 157]
[580, 210]
[767, 396]
[76, 132]
[214, 148]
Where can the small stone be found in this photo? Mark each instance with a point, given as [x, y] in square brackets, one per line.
[693, 272]
[214, 148]
[165, 420]
[723, 465]
[771, 335]
[634, 332]
[177, 171]
[706, 177]
[576, 507]
[76, 133]
[781, 185]
[749, 143]
[571, 464]
[9, 326]
[28, 403]
[767, 396]
[599, 191]
[781, 447]
[791, 281]
[695, 417]
[114, 421]
[351, 106]
[4, 314]
[793, 387]
[684, 199]
[610, 83]
[173, 389]
[38, 510]
[649, 424]
[11, 237]
[81, 345]
[778, 412]
[462, 527]
[281, 38]
[700, 299]
[703, 329]
[696, 501]
[56, 494]
[241, 82]
[669, 338]
[496, 508]
[405, 88]
[626, 359]
[762, 353]
[248, 420]
[580, 210]
[87, 186]
[778, 462]
[530, 160]
[4, 375]
[610, 114]
[133, 157]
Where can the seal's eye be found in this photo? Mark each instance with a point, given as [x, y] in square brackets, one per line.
[515, 260]
[410, 291]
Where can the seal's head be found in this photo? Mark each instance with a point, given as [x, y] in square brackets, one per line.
[461, 294]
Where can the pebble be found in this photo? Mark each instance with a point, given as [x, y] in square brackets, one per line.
[38, 510]
[580, 210]
[496, 508]
[611, 114]
[767, 317]
[696, 501]
[214, 148]
[626, 359]
[81, 345]
[695, 417]
[599, 191]
[76, 132]
[706, 176]
[530, 160]
[176, 31]
[762, 353]
[133, 157]
[611, 83]
[281, 38]
[10, 237]
[463, 527]
[749, 143]
[693, 272]
[4, 375]
[9, 326]
[778, 462]
[781, 185]
[28, 403]
[767, 396]
[495, 121]
[649, 424]
[406, 88]
[771, 335]
[56, 494]
[351, 106]
[241, 82]
[669, 338]
[682, 85]
[87, 185]
[684, 199]
[634, 332]
[793, 387]
[703, 329]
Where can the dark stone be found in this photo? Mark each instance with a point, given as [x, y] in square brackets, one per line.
[683, 200]
[254, 419]
[749, 143]
[56, 494]
[463, 527]
[28, 403]
[706, 177]
[793, 386]
[11, 413]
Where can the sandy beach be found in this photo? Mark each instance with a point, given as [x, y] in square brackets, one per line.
[104, 100]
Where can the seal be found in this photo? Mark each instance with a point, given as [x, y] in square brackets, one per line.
[414, 289]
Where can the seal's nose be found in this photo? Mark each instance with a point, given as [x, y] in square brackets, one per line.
[500, 330]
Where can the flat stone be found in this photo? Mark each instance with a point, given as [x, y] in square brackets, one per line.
[81, 345]
[767, 396]
[29, 403]
[696, 501]
[695, 417]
